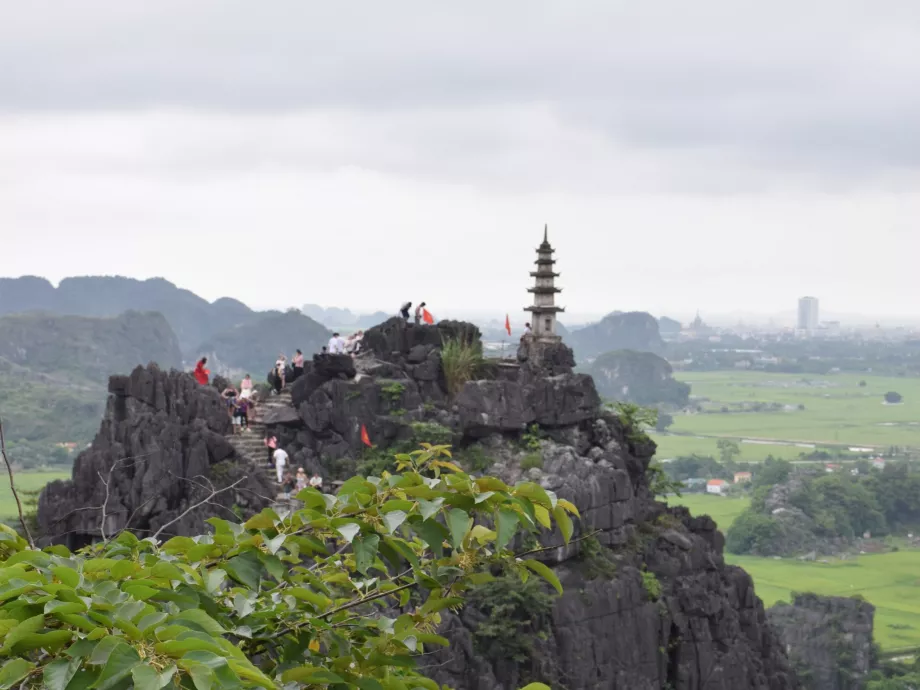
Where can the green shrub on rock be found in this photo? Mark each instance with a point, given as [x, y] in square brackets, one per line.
[278, 601]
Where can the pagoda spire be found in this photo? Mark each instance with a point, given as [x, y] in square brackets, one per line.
[544, 291]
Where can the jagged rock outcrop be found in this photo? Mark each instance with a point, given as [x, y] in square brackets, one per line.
[828, 639]
[649, 601]
[161, 444]
[667, 613]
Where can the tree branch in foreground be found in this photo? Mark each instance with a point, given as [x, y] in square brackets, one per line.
[9, 469]
[188, 510]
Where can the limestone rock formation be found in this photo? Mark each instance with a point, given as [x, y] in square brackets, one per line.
[828, 639]
[664, 610]
[633, 330]
[643, 378]
[160, 447]
[649, 601]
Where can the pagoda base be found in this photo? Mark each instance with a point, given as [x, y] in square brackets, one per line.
[547, 353]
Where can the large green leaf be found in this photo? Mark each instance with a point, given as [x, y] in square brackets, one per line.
[433, 534]
[68, 576]
[536, 686]
[51, 641]
[507, 522]
[545, 572]
[366, 550]
[122, 659]
[245, 569]
[20, 630]
[201, 620]
[220, 672]
[57, 674]
[535, 493]
[14, 671]
[459, 524]
[311, 675]
[349, 530]
[564, 522]
[146, 677]
[429, 508]
[394, 519]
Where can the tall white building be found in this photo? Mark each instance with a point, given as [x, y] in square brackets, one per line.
[808, 313]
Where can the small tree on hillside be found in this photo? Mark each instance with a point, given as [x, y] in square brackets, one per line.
[892, 398]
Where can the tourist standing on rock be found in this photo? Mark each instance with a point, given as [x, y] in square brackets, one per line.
[241, 415]
[353, 343]
[336, 345]
[201, 374]
[419, 310]
[288, 484]
[297, 365]
[271, 442]
[280, 458]
[404, 310]
[301, 479]
[246, 387]
[528, 331]
[280, 366]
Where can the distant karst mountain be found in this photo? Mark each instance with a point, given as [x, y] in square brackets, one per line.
[192, 318]
[53, 371]
[227, 327]
[58, 346]
[634, 330]
[643, 378]
[255, 344]
[335, 317]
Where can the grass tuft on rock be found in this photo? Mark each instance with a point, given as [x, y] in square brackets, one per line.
[461, 361]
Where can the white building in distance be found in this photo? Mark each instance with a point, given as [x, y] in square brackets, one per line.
[808, 314]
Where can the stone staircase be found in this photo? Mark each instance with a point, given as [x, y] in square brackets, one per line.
[250, 444]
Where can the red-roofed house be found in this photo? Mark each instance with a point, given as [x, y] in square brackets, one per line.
[742, 477]
[716, 486]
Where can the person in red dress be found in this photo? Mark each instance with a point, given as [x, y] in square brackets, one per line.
[201, 374]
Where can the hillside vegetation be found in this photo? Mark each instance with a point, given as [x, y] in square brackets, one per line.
[54, 371]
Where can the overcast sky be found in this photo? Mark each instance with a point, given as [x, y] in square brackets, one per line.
[723, 154]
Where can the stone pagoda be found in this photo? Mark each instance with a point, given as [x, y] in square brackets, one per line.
[544, 310]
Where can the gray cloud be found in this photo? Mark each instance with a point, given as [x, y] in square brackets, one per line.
[675, 148]
[827, 86]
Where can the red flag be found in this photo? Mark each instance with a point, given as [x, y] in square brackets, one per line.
[365, 438]
[508, 324]
[427, 317]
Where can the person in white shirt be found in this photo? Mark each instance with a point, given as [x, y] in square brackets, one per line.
[316, 482]
[281, 459]
[336, 345]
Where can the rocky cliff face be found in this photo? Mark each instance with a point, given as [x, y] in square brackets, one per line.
[648, 602]
[159, 450]
[828, 639]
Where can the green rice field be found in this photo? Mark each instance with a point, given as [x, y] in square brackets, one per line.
[838, 413]
[722, 509]
[25, 481]
[889, 581]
